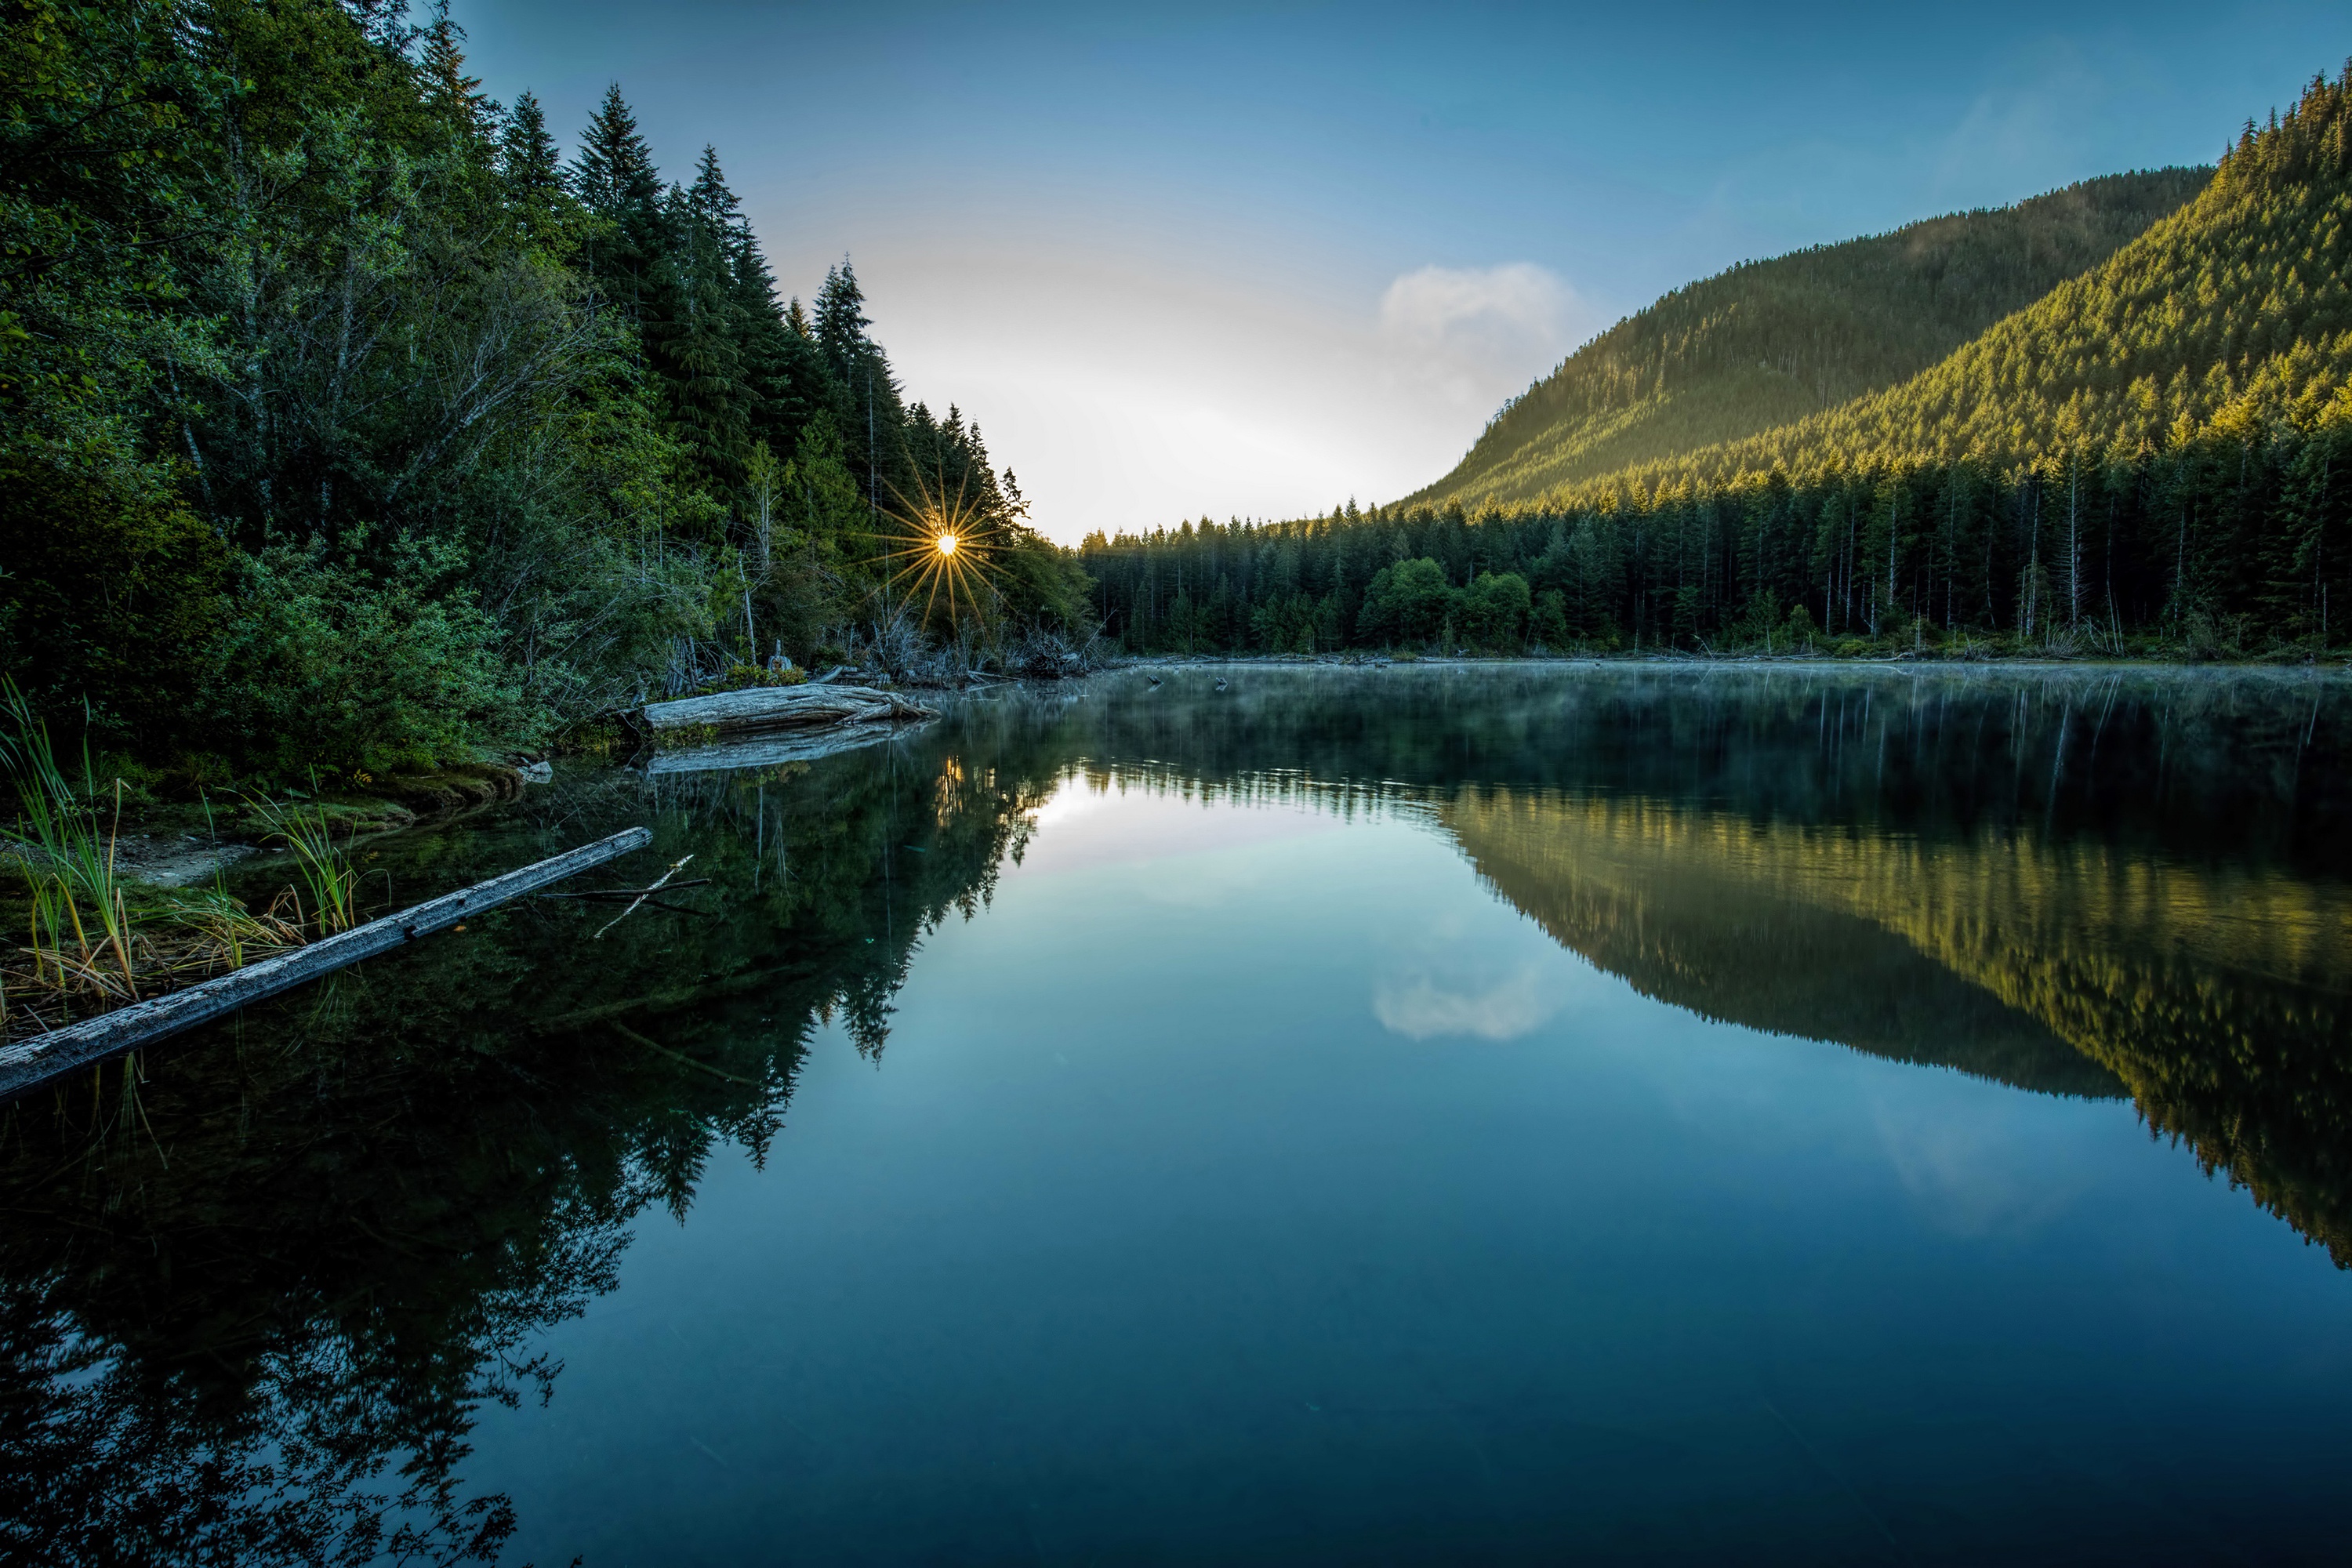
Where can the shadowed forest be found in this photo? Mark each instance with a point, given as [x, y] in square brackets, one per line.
[347, 423]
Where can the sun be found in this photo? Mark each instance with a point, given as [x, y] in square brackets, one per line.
[936, 549]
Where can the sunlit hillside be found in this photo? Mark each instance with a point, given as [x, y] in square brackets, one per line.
[2229, 318]
[1770, 342]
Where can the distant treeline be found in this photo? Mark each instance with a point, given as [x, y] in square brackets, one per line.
[344, 423]
[2222, 545]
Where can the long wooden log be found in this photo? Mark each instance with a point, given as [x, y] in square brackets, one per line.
[761, 708]
[28, 1064]
[767, 750]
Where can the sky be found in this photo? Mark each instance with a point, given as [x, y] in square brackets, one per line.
[1222, 260]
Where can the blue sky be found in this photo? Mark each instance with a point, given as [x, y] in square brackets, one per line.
[1250, 260]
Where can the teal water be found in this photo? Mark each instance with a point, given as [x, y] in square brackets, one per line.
[1642, 1115]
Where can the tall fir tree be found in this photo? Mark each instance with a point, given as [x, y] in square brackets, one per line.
[458, 97]
[696, 338]
[532, 167]
[840, 321]
[616, 179]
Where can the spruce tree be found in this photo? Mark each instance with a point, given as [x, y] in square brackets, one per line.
[694, 338]
[457, 97]
[616, 180]
[864, 393]
[529, 161]
[840, 321]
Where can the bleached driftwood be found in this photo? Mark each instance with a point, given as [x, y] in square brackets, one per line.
[28, 1064]
[763, 707]
[767, 751]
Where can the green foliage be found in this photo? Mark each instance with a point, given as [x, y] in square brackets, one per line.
[1770, 342]
[340, 424]
[1493, 611]
[1407, 602]
[360, 667]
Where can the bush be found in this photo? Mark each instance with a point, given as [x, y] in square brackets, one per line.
[348, 670]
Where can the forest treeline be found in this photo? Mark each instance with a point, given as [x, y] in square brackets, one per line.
[345, 423]
[2145, 460]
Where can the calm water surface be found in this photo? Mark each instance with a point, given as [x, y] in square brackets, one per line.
[1417, 1115]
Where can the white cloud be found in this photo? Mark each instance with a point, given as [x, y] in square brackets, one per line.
[1504, 1011]
[1505, 306]
[1480, 334]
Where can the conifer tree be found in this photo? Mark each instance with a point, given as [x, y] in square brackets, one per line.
[616, 180]
[531, 165]
[840, 321]
[695, 336]
[457, 97]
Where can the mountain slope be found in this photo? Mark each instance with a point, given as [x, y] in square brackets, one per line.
[2230, 316]
[1771, 342]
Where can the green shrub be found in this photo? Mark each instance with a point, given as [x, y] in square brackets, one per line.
[348, 670]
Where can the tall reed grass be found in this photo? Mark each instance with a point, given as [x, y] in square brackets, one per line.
[95, 942]
[326, 870]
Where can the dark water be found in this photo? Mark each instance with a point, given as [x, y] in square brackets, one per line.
[1407, 1116]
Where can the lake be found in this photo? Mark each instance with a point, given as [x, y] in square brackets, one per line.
[1504, 1113]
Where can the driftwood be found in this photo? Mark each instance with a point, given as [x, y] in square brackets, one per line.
[615, 893]
[767, 751]
[764, 708]
[658, 883]
[28, 1064]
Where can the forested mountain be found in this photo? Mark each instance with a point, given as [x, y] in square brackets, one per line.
[2228, 319]
[1770, 342]
[345, 424]
[2144, 460]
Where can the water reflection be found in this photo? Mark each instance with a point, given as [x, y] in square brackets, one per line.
[251, 1308]
[252, 1304]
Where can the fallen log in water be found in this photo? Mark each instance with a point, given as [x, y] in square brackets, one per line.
[28, 1064]
[767, 750]
[761, 708]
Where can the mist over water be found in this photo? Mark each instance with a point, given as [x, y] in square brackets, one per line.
[1440, 1113]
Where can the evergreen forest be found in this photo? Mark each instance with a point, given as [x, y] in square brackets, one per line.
[346, 423]
[2142, 459]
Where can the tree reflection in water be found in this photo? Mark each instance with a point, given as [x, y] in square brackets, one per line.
[251, 1306]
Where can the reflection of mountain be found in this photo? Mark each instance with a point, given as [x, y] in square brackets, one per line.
[319, 1238]
[2217, 997]
[1618, 882]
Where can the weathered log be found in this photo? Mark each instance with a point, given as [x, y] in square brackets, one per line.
[28, 1064]
[767, 751]
[761, 708]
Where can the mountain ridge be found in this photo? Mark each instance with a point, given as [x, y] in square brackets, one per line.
[1770, 341]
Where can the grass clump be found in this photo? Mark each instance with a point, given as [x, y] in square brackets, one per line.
[94, 942]
[325, 870]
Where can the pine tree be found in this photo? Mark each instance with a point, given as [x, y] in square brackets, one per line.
[457, 97]
[840, 321]
[695, 337]
[616, 180]
[865, 395]
[531, 165]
